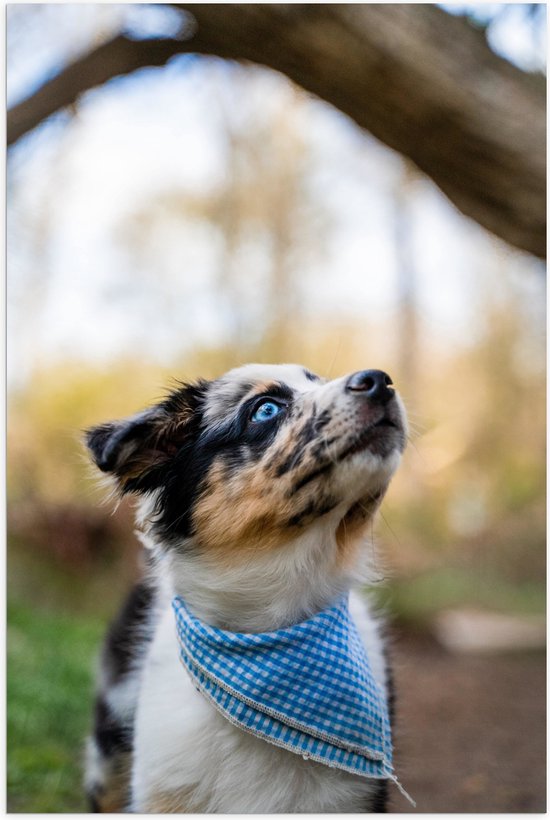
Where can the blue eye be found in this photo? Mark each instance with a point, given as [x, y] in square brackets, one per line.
[265, 411]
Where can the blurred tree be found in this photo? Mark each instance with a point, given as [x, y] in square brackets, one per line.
[406, 285]
[422, 81]
[264, 221]
[473, 492]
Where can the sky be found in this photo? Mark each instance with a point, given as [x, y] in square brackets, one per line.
[75, 288]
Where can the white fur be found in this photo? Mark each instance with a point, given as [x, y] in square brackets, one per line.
[121, 697]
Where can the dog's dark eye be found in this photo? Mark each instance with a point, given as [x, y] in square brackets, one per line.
[266, 411]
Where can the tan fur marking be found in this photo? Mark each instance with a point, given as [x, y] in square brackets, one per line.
[262, 387]
[180, 801]
[114, 798]
[242, 512]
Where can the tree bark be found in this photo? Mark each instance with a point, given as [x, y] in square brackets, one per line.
[420, 80]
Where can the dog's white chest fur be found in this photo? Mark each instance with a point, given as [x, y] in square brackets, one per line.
[189, 758]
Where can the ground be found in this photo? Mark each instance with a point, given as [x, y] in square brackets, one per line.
[470, 730]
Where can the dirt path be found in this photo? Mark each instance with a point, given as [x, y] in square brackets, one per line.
[470, 731]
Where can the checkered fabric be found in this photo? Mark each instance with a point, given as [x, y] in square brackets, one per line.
[308, 688]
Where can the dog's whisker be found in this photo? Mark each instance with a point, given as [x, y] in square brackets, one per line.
[336, 354]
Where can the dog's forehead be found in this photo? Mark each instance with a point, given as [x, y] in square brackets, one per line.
[231, 388]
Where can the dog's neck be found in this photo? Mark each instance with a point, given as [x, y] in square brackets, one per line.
[269, 591]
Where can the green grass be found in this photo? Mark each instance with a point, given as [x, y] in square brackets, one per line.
[49, 689]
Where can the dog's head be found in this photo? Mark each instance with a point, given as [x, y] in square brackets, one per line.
[247, 463]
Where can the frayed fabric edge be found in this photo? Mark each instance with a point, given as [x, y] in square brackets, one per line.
[387, 775]
[405, 794]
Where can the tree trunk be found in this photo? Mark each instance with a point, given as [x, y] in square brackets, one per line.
[423, 82]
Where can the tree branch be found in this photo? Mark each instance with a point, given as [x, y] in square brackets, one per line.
[423, 82]
[111, 59]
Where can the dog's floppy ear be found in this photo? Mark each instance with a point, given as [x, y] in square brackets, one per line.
[136, 449]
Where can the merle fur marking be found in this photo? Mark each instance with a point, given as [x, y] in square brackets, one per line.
[304, 437]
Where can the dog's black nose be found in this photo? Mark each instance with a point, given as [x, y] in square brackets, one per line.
[375, 384]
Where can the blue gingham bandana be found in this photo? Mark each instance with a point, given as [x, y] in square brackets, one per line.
[308, 688]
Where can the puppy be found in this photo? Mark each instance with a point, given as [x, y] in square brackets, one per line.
[256, 495]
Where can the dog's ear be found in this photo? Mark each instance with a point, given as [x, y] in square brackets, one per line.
[135, 450]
